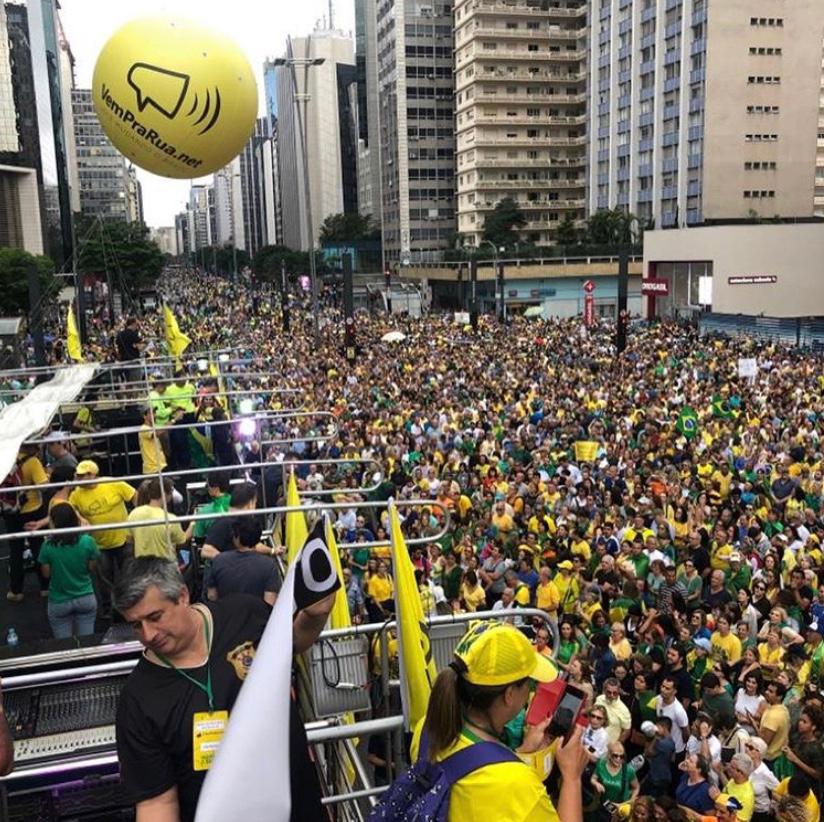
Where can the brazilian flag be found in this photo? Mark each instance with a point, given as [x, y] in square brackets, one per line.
[687, 423]
[721, 407]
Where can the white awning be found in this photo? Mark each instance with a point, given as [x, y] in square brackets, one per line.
[35, 411]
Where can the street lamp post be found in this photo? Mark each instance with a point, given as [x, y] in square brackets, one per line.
[499, 278]
[306, 63]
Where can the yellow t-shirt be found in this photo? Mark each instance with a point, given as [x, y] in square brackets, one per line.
[548, 597]
[32, 472]
[473, 598]
[155, 540]
[506, 790]
[104, 503]
[770, 656]
[380, 589]
[522, 596]
[776, 718]
[744, 794]
[151, 451]
[810, 802]
[726, 648]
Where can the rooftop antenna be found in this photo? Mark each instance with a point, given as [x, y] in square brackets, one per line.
[331, 17]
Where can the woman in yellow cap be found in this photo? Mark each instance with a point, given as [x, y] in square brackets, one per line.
[483, 688]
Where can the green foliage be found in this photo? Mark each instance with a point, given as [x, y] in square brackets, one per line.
[123, 249]
[566, 234]
[348, 228]
[15, 265]
[267, 262]
[611, 227]
[500, 225]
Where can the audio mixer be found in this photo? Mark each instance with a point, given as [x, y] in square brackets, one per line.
[61, 719]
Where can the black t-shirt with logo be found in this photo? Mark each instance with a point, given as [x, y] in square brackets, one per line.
[157, 705]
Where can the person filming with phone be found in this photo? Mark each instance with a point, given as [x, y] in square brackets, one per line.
[486, 686]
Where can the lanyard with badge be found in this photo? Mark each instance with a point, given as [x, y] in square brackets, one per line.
[209, 726]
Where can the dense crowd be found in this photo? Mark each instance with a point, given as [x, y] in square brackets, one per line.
[663, 512]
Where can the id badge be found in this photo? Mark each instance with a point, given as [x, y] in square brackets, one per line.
[208, 728]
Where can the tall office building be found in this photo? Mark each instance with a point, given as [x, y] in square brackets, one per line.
[270, 81]
[415, 112]
[106, 188]
[134, 196]
[520, 87]
[330, 135]
[35, 211]
[367, 111]
[704, 110]
[165, 237]
[66, 89]
[183, 243]
[258, 178]
[199, 216]
[229, 206]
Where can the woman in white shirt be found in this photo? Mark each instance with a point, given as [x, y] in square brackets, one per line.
[595, 737]
[762, 779]
[749, 703]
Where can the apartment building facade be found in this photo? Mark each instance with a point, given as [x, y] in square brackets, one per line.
[520, 84]
[704, 110]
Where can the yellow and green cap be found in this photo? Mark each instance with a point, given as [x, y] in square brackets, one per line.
[498, 653]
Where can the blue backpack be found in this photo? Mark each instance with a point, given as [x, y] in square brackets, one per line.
[422, 793]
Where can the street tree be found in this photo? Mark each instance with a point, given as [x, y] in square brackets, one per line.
[15, 265]
[350, 227]
[500, 225]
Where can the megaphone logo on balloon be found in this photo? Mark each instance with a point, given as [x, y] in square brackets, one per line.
[166, 91]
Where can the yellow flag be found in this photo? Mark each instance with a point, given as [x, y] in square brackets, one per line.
[296, 530]
[177, 341]
[585, 450]
[415, 653]
[72, 337]
[340, 617]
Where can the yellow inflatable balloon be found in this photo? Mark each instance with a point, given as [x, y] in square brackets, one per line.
[176, 98]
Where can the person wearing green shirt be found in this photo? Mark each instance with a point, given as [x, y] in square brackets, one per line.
[739, 575]
[614, 780]
[159, 402]
[452, 575]
[217, 485]
[68, 562]
[180, 394]
[816, 649]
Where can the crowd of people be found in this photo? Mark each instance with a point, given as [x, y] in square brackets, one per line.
[664, 513]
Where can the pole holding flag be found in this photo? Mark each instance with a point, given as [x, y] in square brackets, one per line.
[72, 337]
[296, 530]
[417, 666]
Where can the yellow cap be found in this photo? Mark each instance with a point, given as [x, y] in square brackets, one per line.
[566, 565]
[730, 803]
[496, 653]
[86, 467]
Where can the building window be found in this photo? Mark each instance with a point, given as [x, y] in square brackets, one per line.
[756, 194]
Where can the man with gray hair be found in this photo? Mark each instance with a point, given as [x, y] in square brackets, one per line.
[734, 781]
[762, 779]
[195, 659]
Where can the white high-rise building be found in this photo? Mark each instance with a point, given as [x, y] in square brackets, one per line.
[229, 206]
[199, 217]
[331, 159]
[520, 113]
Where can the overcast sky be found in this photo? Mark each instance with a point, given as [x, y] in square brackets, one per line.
[259, 27]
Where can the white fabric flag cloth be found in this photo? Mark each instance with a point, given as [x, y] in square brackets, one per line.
[34, 412]
[249, 778]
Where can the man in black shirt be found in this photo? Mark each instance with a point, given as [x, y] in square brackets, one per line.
[129, 344]
[244, 570]
[195, 660]
[677, 672]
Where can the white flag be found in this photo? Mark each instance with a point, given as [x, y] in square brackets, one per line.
[249, 778]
